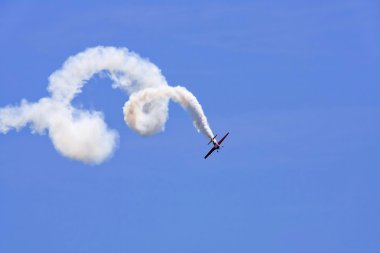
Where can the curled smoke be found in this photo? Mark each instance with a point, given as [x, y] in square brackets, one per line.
[83, 135]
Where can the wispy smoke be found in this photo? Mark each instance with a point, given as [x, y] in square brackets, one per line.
[83, 135]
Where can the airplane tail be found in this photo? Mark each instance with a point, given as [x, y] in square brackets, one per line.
[213, 139]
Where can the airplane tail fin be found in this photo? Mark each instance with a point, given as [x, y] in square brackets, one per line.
[212, 140]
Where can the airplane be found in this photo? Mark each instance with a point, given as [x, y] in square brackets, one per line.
[216, 144]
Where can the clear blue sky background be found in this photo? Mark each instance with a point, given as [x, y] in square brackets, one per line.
[295, 82]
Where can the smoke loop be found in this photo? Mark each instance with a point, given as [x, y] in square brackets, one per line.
[83, 135]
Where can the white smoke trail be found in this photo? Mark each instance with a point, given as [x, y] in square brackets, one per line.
[144, 114]
[83, 135]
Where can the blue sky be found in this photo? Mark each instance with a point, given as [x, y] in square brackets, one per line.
[295, 82]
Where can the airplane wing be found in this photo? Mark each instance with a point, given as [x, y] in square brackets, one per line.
[209, 153]
[221, 140]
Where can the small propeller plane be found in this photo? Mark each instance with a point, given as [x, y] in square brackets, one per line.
[216, 144]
